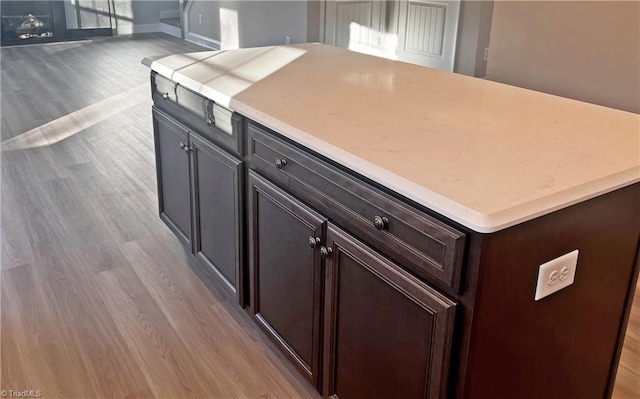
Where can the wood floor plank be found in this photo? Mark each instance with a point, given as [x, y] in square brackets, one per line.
[154, 344]
[15, 249]
[47, 360]
[29, 201]
[78, 323]
[143, 394]
[101, 348]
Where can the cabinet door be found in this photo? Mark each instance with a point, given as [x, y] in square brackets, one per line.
[286, 272]
[172, 168]
[217, 200]
[387, 334]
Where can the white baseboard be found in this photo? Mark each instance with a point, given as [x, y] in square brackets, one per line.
[207, 42]
[170, 30]
[202, 40]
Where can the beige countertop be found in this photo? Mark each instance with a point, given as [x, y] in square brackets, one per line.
[484, 154]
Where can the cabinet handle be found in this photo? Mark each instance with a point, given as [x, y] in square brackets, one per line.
[165, 95]
[280, 163]
[313, 241]
[325, 252]
[380, 222]
[209, 121]
[182, 145]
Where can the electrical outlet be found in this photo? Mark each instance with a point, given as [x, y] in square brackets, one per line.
[287, 40]
[556, 274]
[485, 56]
[200, 19]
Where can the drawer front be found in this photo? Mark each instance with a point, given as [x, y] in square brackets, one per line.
[221, 118]
[422, 244]
[163, 88]
[211, 120]
[192, 103]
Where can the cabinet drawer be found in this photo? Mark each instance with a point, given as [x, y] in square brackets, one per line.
[163, 87]
[427, 247]
[192, 103]
[213, 121]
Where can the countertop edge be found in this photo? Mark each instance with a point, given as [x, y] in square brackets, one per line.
[474, 220]
[146, 61]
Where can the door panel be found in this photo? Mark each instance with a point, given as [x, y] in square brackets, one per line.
[217, 203]
[358, 25]
[387, 335]
[172, 167]
[286, 272]
[427, 32]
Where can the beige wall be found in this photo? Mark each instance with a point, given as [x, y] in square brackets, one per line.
[586, 50]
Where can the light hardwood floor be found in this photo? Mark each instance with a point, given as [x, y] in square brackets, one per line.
[98, 299]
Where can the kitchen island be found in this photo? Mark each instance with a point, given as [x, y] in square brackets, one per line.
[385, 223]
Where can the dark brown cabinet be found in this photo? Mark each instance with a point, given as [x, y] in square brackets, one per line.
[286, 272]
[387, 334]
[200, 189]
[372, 327]
[172, 167]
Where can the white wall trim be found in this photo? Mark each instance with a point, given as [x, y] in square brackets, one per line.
[170, 30]
[208, 42]
[197, 38]
[203, 41]
[194, 37]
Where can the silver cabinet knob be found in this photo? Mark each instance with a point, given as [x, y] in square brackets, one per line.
[313, 241]
[380, 222]
[280, 163]
[325, 252]
[165, 95]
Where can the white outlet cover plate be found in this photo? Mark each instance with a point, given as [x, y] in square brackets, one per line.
[543, 287]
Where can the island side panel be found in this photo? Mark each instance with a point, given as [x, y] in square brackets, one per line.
[564, 345]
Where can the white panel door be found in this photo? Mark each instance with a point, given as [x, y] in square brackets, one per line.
[427, 32]
[358, 25]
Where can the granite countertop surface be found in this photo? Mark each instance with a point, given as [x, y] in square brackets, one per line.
[484, 154]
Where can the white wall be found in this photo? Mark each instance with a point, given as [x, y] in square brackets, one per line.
[586, 50]
[232, 24]
[139, 16]
[474, 28]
